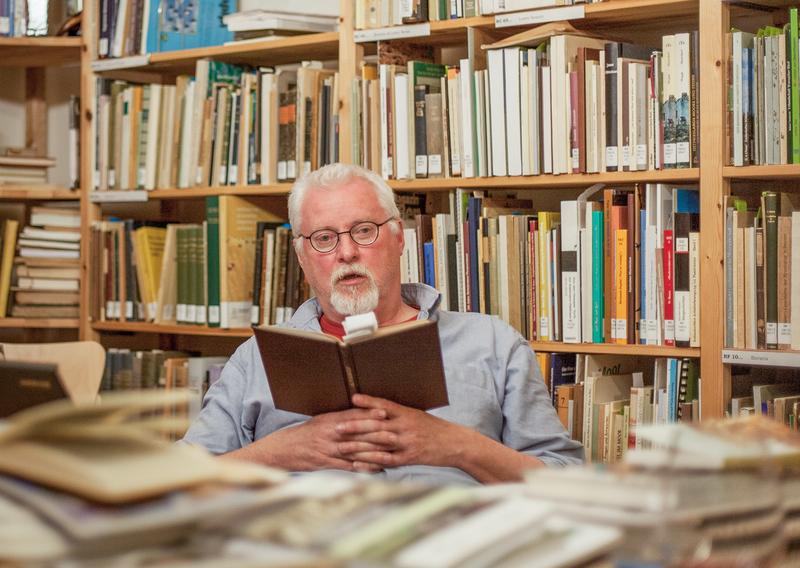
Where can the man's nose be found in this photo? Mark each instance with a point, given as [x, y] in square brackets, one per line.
[347, 249]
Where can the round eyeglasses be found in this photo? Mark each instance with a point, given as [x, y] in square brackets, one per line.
[363, 234]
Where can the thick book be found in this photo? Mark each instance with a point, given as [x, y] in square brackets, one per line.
[312, 373]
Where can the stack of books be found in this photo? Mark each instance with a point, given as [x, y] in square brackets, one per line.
[47, 270]
[23, 170]
[265, 18]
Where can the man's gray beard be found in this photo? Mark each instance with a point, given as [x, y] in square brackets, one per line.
[355, 302]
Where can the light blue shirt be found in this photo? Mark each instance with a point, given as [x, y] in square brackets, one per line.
[493, 382]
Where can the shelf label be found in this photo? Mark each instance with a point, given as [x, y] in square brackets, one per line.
[770, 358]
[131, 196]
[539, 16]
[393, 32]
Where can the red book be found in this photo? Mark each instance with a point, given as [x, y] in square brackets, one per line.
[669, 288]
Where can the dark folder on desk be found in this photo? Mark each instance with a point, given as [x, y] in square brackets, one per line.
[24, 384]
[311, 373]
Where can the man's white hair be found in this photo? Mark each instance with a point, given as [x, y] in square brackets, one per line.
[334, 176]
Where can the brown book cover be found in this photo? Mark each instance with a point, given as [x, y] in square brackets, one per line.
[565, 394]
[312, 373]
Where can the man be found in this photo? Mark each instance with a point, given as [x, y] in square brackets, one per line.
[500, 420]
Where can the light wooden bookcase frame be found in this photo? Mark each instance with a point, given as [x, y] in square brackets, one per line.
[641, 19]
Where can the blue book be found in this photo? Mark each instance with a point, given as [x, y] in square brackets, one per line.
[686, 201]
[562, 372]
[598, 301]
[672, 390]
[430, 269]
[187, 24]
[473, 220]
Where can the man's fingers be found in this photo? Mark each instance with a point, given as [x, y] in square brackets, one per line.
[373, 402]
[361, 413]
[383, 459]
[347, 448]
[364, 467]
[359, 426]
[382, 438]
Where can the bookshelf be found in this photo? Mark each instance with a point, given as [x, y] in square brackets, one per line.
[33, 59]
[640, 21]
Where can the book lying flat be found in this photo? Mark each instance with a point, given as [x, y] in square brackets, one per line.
[112, 452]
[312, 373]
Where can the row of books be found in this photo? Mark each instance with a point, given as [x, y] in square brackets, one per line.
[382, 13]
[762, 272]
[764, 95]
[128, 370]
[132, 27]
[227, 125]
[623, 269]
[40, 270]
[779, 401]
[235, 268]
[573, 104]
[602, 399]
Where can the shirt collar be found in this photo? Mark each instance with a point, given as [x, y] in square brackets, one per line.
[417, 294]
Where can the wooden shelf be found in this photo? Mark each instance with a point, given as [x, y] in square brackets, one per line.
[761, 358]
[39, 323]
[142, 327]
[40, 192]
[321, 46]
[39, 51]
[612, 349]
[687, 175]
[243, 190]
[788, 171]
[639, 16]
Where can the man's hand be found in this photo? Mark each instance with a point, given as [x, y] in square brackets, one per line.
[320, 444]
[424, 439]
[419, 438]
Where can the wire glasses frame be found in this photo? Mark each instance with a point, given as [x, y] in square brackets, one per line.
[363, 233]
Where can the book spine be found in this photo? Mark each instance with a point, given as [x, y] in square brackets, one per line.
[669, 288]
[611, 149]
[598, 298]
[619, 327]
[212, 261]
[420, 134]
[770, 210]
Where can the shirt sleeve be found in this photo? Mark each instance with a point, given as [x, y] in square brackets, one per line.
[219, 427]
[531, 425]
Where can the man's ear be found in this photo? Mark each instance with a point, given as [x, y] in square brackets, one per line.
[301, 254]
[401, 237]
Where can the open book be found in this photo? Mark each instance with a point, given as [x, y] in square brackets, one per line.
[311, 373]
[112, 452]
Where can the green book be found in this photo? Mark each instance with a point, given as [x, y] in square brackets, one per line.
[182, 276]
[598, 302]
[212, 260]
[199, 274]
